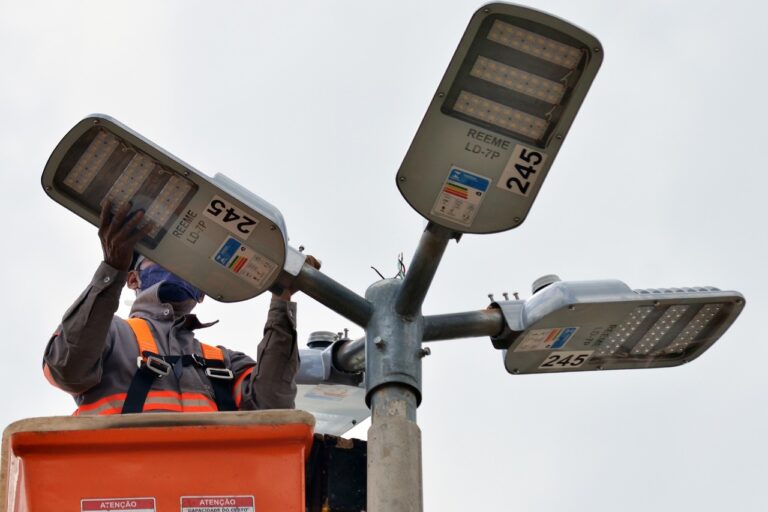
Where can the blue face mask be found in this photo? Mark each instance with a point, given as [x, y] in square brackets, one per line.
[172, 289]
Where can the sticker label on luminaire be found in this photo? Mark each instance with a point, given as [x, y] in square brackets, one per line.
[546, 339]
[227, 216]
[460, 196]
[243, 261]
[565, 359]
[522, 170]
[218, 504]
[124, 504]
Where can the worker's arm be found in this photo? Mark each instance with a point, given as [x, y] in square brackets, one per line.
[271, 384]
[73, 357]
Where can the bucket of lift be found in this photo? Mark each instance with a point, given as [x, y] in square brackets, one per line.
[198, 462]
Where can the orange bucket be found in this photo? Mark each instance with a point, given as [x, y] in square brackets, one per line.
[158, 462]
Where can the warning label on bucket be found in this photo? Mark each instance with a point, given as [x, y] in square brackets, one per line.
[125, 504]
[218, 504]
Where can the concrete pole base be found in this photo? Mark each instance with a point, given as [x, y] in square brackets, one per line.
[394, 444]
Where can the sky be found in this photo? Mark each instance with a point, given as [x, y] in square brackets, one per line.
[312, 106]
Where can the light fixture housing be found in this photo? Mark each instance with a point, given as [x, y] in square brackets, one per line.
[605, 325]
[212, 232]
[335, 398]
[498, 119]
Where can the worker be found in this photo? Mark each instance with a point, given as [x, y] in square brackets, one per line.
[152, 361]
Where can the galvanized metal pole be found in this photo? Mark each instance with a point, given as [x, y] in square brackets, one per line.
[393, 379]
[349, 356]
[394, 324]
[330, 293]
[486, 322]
[422, 270]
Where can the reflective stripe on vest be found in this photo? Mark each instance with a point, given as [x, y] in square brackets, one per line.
[169, 401]
[238, 389]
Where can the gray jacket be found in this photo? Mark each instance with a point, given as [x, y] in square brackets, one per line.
[93, 354]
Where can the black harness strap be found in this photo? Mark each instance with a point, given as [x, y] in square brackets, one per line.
[139, 389]
[156, 366]
[222, 386]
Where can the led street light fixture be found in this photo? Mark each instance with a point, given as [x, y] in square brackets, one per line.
[210, 231]
[498, 119]
[604, 325]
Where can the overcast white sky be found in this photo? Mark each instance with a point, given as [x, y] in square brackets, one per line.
[312, 105]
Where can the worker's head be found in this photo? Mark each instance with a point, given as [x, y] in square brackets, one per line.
[145, 273]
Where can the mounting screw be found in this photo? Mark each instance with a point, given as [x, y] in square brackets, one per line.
[47, 187]
[440, 94]
[571, 307]
[219, 297]
[379, 342]
[346, 333]
[515, 371]
[301, 248]
[516, 219]
[596, 49]
[273, 228]
[186, 173]
[559, 136]
[402, 178]
[490, 296]
[486, 10]
[424, 352]
[505, 295]
[95, 121]
[516, 295]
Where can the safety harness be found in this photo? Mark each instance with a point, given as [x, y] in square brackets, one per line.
[152, 365]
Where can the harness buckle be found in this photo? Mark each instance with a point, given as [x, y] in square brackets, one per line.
[154, 364]
[198, 361]
[219, 373]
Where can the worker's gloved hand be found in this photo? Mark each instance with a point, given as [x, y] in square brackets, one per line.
[119, 234]
[290, 290]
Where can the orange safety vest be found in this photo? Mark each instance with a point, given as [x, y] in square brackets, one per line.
[151, 366]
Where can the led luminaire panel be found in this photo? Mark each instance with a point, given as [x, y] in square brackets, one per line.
[535, 44]
[210, 231]
[604, 325]
[694, 328]
[91, 162]
[130, 181]
[109, 170]
[500, 115]
[167, 202]
[518, 80]
[498, 118]
[624, 330]
[659, 330]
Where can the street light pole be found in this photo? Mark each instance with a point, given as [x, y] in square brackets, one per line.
[394, 331]
[393, 379]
